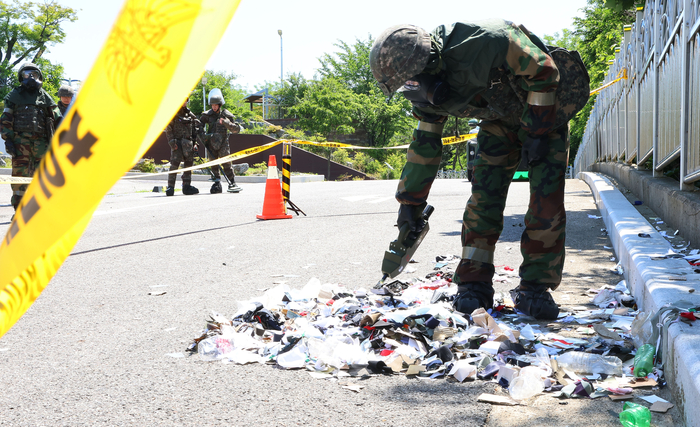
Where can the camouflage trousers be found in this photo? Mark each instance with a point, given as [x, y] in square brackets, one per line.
[181, 150]
[542, 243]
[223, 151]
[29, 152]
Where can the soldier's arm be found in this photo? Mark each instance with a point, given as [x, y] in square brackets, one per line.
[422, 160]
[7, 119]
[540, 77]
[228, 121]
[169, 132]
[203, 119]
[56, 114]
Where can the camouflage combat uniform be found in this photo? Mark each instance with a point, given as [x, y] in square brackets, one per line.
[180, 133]
[216, 138]
[489, 66]
[62, 108]
[28, 122]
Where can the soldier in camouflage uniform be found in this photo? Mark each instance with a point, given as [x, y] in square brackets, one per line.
[500, 73]
[181, 133]
[28, 122]
[219, 122]
[65, 95]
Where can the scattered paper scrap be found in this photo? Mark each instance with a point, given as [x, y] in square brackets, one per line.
[495, 399]
[662, 407]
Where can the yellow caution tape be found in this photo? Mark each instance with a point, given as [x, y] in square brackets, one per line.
[254, 150]
[617, 79]
[14, 180]
[153, 56]
[231, 157]
[457, 139]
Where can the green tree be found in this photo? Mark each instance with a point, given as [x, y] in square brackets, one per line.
[328, 108]
[27, 30]
[568, 39]
[381, 119]
[292, 91]
[350, 65]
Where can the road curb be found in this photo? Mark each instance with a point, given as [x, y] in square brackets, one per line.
[649, 282]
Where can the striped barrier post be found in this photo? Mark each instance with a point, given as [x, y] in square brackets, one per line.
[286, 169]
[287, 176]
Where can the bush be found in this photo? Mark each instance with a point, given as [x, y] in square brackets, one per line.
[257, 169]
[146, 166]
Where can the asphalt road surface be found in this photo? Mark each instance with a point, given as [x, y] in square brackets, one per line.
[96, 348]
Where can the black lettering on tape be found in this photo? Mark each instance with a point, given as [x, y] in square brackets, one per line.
[57, 179]
[14, 229]
[82, 147]
[29, 209]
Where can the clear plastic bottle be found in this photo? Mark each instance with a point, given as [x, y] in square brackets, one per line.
[528, 383]
[635, 415]
[579, 361]
[644, 360]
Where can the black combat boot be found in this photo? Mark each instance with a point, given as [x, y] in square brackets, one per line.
[188, 190]
[534, 300]
[170, 191]
[216, 188]
[473, 295]
[233, 188]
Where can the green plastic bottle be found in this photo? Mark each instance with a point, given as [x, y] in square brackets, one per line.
[634, 415]
[644, 360]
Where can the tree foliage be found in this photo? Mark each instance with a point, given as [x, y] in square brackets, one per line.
[620, 5]
[350, 65]
[385, 121]
[27, 30]
[327, 108]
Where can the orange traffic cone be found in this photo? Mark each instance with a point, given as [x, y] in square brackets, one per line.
[273, 206]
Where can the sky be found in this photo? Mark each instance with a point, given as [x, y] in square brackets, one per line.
[251, 47]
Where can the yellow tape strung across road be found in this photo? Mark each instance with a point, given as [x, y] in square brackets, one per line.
[617, 79]
[15, 180]
[153, 57]
[235, 156]
[254, 150]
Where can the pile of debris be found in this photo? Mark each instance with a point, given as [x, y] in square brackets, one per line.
[410, 328]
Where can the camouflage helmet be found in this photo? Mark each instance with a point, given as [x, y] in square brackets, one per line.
[399, 53]
[65, 90]
[216, 97]
[26, 67]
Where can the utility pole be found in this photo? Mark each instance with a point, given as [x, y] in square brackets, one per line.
[281, 57]
[204, 94]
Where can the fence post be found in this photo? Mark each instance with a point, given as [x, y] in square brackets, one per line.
[685, 87]
[638, 58]
[655, 89]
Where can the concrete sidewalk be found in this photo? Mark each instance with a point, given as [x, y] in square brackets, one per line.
[651, 282]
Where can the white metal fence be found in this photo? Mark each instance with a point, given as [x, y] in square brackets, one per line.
[655, 112]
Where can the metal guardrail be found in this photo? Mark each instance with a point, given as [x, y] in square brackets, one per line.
[655, 112]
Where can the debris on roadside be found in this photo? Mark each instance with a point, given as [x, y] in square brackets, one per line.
[410, 328]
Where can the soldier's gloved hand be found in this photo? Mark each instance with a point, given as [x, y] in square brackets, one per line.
[535, 149]
[10, 148]
[411, 215]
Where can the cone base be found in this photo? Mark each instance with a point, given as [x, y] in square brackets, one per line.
[273, 216]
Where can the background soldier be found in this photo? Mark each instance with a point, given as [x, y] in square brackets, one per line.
[181, 134]
[66, 94]
[501, 74]
[219, 122]
[28, 122]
